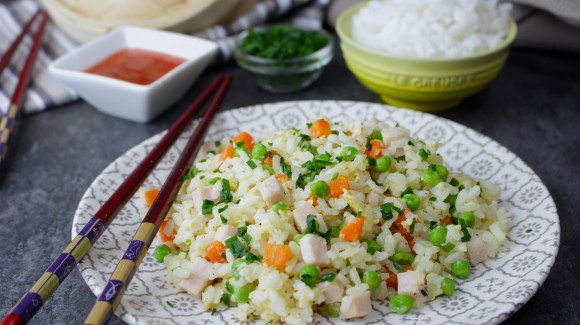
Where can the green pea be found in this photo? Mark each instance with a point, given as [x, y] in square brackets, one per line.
[320, 189]
[461, 269]
[447, 286]
[401, 304]
[383, 164]
[468, 217]
[437, 235]
[348, 153]
[242, 148]
[403, 258]
[236, 267]
[431, 177]
[413, 201]
[160, 252]
[376, 135]
[309, 275]
[442, 171]
[279, 207]
[242, 294]
[372, 279]
[259, 151]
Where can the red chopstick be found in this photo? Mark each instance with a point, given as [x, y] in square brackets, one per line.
[31, 302]
[7, 56]
[8, 121]
[126, 268]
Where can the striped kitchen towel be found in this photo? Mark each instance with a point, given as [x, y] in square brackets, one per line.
[46, 91]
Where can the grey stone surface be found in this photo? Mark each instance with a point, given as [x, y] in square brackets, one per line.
[532, 108]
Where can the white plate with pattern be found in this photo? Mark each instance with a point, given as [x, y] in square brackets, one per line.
[496, 289]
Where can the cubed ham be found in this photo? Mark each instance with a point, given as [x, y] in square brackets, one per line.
[225, 232]
[373, 123]
[198, 278]
[356, 305]
[395, 137]
[333, 292]
[476, 250]
[211, 193]
[409, 283]
[271, 190]
[301, 213]
[313, 250]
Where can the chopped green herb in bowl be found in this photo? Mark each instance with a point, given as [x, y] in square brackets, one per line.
[283, 58]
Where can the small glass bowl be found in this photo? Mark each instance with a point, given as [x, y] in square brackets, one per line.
[288, 75]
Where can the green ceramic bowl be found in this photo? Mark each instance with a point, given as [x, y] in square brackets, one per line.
[422, 84]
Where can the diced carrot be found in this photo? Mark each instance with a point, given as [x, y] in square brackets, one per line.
[312, 198]
[227, 153]
[246, 138]
[338, 186]
[353, 230]
[398, 227]
[268, 159]
[277, 255]
[215, 252]
[320, 128]
[407, 268]
[167, 231]
[376, 149]
[281, 178]
[446, 221]
[150, 196]
[392, 280]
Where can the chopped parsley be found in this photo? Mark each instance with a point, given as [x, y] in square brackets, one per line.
[424, 154]
[242, 231]
[236, 247]
[286, 170]
[387, 210]
[223, 219]
[412, 227]
[251, 164]
[207, 207]
[398, 267]
[225, 194]
[466, 235]
[169, 304]
[222, 209]
[312, 224]
[229, 287]
[372, 246]
[432, 224]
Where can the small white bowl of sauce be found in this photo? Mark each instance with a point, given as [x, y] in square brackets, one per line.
[134, 73]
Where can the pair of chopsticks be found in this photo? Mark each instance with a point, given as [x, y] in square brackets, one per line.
[31, 302]
[8, 120]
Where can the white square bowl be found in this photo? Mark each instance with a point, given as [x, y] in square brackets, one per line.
[138, 103]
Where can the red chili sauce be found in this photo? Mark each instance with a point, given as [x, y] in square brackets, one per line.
[137, 66]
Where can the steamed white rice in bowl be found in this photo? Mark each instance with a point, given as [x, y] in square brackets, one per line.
[432, 28]
[327, 218]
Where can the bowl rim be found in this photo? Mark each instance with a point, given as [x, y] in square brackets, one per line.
[320, 54]
[345, 36]
[59, 68]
